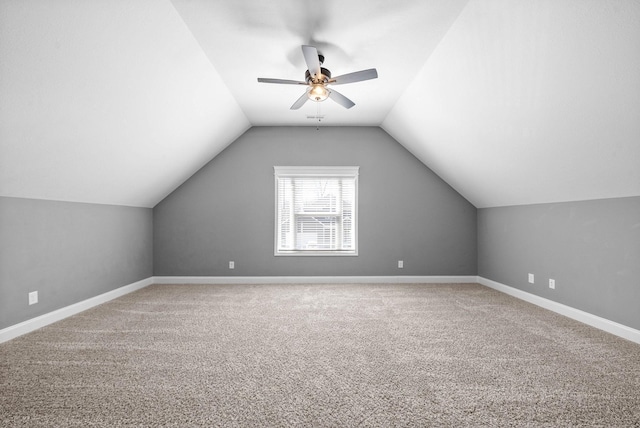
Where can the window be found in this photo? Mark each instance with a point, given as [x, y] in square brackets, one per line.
[316, 210]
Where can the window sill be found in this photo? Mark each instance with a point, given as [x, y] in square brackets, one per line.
[316, 253]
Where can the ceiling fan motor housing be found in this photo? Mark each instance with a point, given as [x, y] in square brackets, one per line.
[324, 77]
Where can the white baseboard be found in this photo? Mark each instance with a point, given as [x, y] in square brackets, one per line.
[313, 279]
[28, 326]
[576, 314]
[33, 324]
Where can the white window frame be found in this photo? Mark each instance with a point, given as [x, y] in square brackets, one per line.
[319, 172]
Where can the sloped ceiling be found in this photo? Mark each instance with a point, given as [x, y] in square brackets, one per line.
[104, 101]
[530, 101]
[510, 101]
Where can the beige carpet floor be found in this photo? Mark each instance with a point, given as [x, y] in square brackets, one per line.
[319, 355]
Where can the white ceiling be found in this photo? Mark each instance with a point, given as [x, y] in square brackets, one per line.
[104, 101]
[250, 39]
[510, 101]
[530, 101]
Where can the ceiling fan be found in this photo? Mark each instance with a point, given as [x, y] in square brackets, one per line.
[318, 78]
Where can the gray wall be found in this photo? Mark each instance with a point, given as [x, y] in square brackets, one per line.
[68, 252]
[226, 210]
[591, 249]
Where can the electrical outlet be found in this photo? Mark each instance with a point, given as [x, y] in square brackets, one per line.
[33, 297]
[232, 265]
[400, 264]
[531, 280]
[552, 284]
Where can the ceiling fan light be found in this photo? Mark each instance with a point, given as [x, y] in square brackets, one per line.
[318, 93]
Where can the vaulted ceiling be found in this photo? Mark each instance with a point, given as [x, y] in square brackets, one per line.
[510, 101]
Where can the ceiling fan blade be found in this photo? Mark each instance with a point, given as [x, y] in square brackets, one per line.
[357, 76]
[300, 102]
[340, 99]
[311, 58]
[281, 81]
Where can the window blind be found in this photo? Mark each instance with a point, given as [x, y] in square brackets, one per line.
[316, 210]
